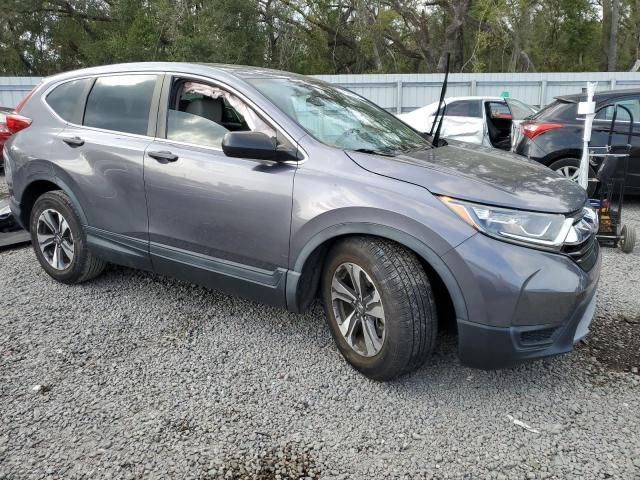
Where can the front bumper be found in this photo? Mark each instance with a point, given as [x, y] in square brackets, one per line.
[491, 348]
[522, 304]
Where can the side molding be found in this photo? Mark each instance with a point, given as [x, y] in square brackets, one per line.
[120, 249]
[263, 286]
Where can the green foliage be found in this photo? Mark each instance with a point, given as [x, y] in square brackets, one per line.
[41, 37]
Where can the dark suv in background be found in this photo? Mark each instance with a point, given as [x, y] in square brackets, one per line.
[282, 188]
[553, 136]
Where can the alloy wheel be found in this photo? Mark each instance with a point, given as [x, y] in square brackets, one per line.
[358, 309]
[572, 173]
[55, 239]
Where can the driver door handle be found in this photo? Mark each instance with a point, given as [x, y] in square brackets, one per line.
[73, 141]
[163, 156]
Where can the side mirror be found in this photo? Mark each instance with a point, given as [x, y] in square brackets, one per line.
[253, 145]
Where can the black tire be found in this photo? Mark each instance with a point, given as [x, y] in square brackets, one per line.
[628, 240]
[407, 299]
[575, 163]
[84, 265]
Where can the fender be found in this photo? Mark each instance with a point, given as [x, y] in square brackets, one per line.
[562, 154]
[51, 174]
[403, 238]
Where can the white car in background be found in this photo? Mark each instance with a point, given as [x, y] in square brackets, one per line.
[489, 121]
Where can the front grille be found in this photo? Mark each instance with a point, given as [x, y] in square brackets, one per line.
[585, 254]
[536, 337]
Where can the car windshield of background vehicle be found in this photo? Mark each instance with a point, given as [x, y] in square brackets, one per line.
[559, 110]
[340, 118]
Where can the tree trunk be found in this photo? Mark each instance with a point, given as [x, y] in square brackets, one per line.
[612, 57]
[453, 35]
[606, 34]
[521, 35]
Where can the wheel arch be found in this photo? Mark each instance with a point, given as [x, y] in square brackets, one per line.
[569, 153]
[40, 185]
[303, 280]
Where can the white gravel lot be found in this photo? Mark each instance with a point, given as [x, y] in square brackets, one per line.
[148, 377]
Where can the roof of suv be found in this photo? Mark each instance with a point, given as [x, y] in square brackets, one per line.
[602, 95]
[239, 71]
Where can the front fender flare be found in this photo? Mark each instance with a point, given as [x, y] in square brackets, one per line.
[390, 233]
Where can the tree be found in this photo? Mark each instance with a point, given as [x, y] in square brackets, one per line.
[613, 36]
[41, 37]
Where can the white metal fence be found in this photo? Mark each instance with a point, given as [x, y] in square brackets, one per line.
[404, 92]
[13, 89]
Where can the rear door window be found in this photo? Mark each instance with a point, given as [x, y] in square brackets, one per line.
[121, 103]
[463, 108]
[67, 100]
[632, 104]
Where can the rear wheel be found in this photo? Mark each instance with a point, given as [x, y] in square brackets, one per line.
[59, 240]
[570, 168]
[379, 306]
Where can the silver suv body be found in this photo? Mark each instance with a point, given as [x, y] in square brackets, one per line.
[281, 188]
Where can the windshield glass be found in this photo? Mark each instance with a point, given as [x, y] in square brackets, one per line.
[338, 117]
[520, 110]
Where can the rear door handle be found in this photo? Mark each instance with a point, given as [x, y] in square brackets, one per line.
[163, 156]
[73, 141]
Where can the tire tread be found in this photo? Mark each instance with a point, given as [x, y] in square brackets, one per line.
[405, 280]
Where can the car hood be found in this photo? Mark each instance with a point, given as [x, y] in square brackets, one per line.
[482, 175]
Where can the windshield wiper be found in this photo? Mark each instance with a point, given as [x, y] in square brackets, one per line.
[416, 148]
[386, 153]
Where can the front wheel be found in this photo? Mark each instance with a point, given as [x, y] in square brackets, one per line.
[380, 306]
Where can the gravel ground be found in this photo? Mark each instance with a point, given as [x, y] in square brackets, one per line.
[4, 191]
[142, 376]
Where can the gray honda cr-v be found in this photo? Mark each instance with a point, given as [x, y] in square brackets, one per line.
[281, 188]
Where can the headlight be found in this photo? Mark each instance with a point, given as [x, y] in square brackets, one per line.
[546, 230]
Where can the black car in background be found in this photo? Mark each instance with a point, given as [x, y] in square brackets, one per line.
[553, 136]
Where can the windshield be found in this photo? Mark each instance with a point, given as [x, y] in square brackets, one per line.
[338, 117]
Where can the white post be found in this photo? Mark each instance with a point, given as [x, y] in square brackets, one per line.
[588, 110]
[543, 94]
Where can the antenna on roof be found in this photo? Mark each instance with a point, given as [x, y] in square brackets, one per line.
[443, 92]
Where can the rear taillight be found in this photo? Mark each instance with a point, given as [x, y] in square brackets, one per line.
[4, 131]
[531, 129]
[16, 122]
